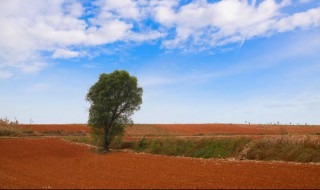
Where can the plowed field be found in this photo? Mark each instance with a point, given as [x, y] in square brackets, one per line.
[54, 163]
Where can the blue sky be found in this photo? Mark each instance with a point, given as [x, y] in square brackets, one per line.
[198, 61]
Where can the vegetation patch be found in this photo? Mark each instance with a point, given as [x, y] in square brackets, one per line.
[204, 148]
[118, 143]
[12, 129]
[286, 148]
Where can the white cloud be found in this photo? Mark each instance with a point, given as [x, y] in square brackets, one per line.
[109, 32]
[163, 11]
[221, 22]
[64, 53]
[124, 8]
[310, 18]
[54, 26]
[60, 26]
[231, 21]
[149, 35]
[29, 28]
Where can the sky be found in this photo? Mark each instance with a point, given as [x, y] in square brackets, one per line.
[230, 61]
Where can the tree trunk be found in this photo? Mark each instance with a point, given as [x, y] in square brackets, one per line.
[105, 146]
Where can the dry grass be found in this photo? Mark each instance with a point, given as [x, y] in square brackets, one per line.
[12, 129]
[286, 148]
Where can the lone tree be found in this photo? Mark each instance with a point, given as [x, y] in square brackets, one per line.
[113, 99]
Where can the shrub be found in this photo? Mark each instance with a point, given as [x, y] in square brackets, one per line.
[141, 145]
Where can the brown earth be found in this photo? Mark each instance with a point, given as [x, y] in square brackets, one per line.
[54, 163]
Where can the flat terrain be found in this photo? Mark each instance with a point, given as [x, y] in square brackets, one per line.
[192, 129]
[55, 163]
[239, 129]
[56, 127]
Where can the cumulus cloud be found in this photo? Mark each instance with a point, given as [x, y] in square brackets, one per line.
[58, 27]
[163, 11]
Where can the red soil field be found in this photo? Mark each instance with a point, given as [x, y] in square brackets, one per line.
[238, 129]
[55, 163]
[56, 127]
[191, 129]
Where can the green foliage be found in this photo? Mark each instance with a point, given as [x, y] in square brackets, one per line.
[220, 148]
[286, 148]
[205, 148]
[141, 145]
[97, 136]
[113, 99]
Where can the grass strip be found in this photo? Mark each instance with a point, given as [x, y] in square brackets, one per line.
[204, 148]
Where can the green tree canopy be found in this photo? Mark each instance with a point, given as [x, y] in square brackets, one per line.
[113, 98]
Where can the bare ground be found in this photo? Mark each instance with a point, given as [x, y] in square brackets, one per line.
[54, 163]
